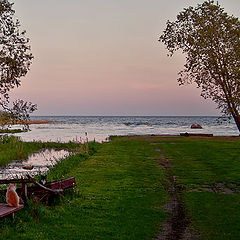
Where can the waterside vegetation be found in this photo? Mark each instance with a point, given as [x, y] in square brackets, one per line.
[12, 148]
[125, 187]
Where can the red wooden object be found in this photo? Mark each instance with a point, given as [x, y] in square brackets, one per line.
[62, 184]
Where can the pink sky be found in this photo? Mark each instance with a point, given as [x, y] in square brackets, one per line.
[103, 58]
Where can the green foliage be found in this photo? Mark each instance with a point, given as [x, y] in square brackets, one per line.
[11, 148]
[4, 119]
[15, 61]
[210, 38]
[15, 55]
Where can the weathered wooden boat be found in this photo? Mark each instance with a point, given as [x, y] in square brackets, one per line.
[50, 189]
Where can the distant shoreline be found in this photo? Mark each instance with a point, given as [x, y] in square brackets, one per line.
[164, 136]
[32, 122]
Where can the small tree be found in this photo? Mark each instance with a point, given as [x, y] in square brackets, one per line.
[210, 39]
[15, 60]
[4, 119]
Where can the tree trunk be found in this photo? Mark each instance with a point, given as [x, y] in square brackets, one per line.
[237, 121]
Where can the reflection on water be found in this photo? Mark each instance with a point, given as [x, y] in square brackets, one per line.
[40, 162]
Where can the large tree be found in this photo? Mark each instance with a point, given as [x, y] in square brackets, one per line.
[210, 39]
[15, 60]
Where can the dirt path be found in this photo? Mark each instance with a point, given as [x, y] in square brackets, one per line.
[177, 226]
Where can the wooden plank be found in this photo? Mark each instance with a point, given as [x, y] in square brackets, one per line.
[62, 184]
[6, 210]
[58, 190]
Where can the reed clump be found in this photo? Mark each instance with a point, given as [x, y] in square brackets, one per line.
[11, 147]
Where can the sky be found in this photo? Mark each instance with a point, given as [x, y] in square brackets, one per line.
[103, 57]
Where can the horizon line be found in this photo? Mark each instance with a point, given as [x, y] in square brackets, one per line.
[126, 116]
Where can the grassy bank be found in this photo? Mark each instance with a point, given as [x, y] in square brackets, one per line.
[12, 148]
[118, 196]
[120, 193]
[208, 171]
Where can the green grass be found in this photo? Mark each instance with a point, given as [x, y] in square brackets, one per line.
[118, 196]
[11, 148]
[214, 216]
[207, 161]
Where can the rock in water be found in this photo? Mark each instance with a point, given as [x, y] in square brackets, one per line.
[196, 126]
[28, 167]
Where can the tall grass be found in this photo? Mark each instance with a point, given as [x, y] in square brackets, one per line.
[12, 148]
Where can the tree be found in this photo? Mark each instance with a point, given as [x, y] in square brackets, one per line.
[15, 60]
[210, 39]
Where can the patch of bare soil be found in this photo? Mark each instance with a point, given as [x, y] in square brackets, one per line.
[177, 226]
[220, 188]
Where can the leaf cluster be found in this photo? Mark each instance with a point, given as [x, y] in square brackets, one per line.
[15, 61]
[15, 55]
[210, 39]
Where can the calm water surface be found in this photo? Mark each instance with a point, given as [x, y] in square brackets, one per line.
[40, 161]
[65, 128]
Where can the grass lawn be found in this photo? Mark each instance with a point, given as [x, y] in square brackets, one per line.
[118, 196]
[207, 161]
[119, 193]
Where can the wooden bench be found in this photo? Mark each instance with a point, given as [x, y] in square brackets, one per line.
[6, 210]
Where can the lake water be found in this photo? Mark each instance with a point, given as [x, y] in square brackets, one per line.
[65, 128]
[40, 162]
